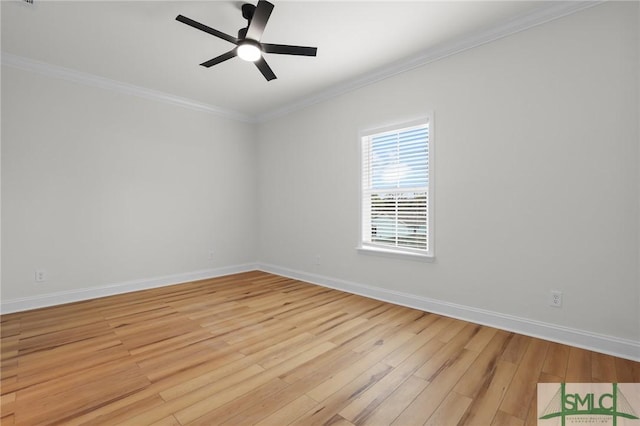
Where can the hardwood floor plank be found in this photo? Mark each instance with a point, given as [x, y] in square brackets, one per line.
[70, 351]
[340, 357]
[505, 419]
[361, 333]
[167, 421]
[288, 353]
[236, 408]
[579, 366]
[252, 331]
[345, 325]
[342, 378]
[603, 368]
[483, 369]
[225, 366]
[556, 360]
[214, 382]
[269, 338]
[489, 396]
[59, 399]
[213, 365]
[58, 368]
[532, 415]
[10, 325]
[449, 353]
[114, 406]
[7, 420]
[44, 340]
[197, 396]
[328, 407]
[329, 363]
[549, 378]
[441, 383]
[158, 349]
[450, 411]
[7, 404]
[524, 384]
[289, 413]
[516, 348]
[422, 323]
[627, 371]
[279, 399]
[337, 420]
[204, 406]
[453, 328]
[482, 339]
[369, 400]
[9, 361]
[127, 318]
[403, 352]
[256, 348]
[395, 403]
[126, 412]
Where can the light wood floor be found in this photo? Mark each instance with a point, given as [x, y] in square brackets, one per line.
[256, 348]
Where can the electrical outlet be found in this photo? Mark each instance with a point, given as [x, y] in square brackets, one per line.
[316, 260]
[212, 254]
[555, 299]
[40, 275]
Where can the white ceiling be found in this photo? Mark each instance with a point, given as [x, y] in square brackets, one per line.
[140, 42]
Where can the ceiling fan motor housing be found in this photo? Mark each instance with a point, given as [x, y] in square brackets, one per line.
[248, 43]
[247, 11]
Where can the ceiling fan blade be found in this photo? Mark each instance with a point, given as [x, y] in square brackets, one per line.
[265, 69]
[211, 62]
[284, 49]
[259, 20]
[206, 29]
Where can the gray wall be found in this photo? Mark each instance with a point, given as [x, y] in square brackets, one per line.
[100, 188]
[536, 176]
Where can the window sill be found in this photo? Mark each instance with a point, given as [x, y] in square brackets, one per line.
[398, 254]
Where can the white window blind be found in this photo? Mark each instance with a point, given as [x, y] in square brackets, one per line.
[395, 190]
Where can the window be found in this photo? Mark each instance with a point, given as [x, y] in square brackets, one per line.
[397, 190]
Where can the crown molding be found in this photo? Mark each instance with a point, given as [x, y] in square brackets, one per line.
[547, 13]
[540, 16]
[27, 64]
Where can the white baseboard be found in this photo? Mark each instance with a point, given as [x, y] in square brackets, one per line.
[62, 297]
[622, 348]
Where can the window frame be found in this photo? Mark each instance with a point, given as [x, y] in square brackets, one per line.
[364, 247]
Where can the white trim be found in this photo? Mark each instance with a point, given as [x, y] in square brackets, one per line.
[74, 76]
[62, 297]
[619, 347]
[540, 16]
[398, 254]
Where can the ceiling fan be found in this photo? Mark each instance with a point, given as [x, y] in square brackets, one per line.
[248, 45]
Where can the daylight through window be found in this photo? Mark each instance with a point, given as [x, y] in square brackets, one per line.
[395, 190]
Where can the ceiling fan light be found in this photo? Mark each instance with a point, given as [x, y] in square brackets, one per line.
[249, 51]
